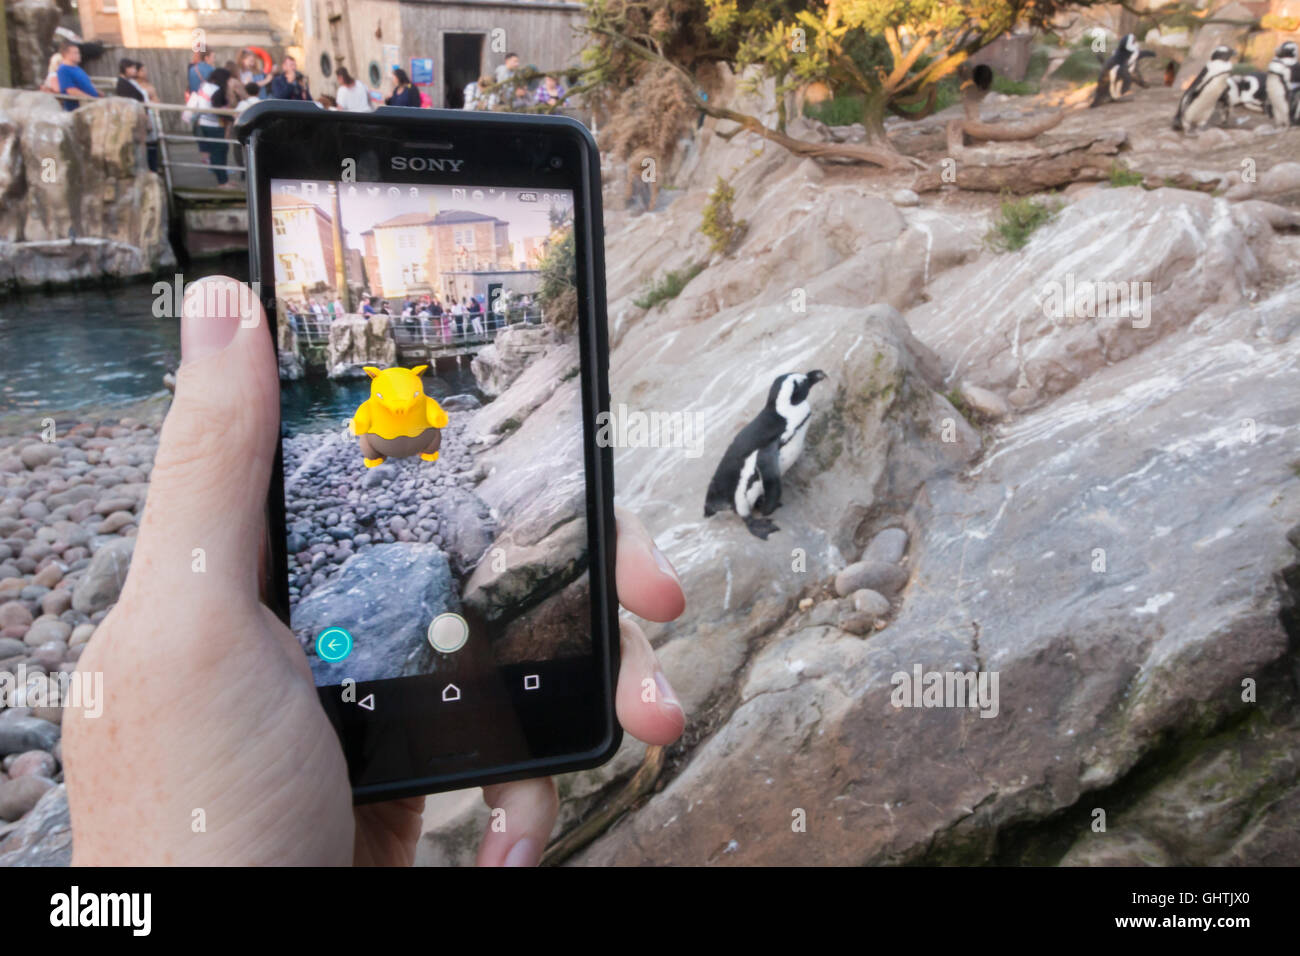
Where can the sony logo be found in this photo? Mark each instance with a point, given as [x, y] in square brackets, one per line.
[420, 164]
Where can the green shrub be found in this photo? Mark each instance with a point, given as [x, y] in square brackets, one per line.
[1016, 221]
[1123, 176]
[1013, 87]
[720, 225]
[669, 287]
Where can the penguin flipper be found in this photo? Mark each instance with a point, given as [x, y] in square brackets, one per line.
[769, 470]
[760, 527]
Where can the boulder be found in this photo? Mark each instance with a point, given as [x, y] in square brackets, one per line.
[359, 340]
[514, 349]
[389, 637]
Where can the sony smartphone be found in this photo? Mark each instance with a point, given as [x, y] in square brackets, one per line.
[441, 514]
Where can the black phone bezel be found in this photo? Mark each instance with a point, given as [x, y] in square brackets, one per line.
[542, 137]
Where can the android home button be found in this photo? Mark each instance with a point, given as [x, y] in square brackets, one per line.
[448, 633]
[450, 693]
[333, 644]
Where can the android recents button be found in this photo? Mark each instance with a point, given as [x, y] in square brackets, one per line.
[448, 633]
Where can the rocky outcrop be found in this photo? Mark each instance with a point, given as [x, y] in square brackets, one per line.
[31, 26]
[1093, 509]
[1083, 560]
[359, 340]
[513, 350]
[78, 202]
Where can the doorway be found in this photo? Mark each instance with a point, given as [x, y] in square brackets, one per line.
[462, 58]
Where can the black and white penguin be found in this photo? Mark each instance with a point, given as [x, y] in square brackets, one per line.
[1200, 99]
[1282, 85]
[748, 479]
[1247, 90]
[1120, 72]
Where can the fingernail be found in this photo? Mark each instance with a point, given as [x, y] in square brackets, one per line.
[665, 565]
[667, 696]
[207, 330]
[527, 852]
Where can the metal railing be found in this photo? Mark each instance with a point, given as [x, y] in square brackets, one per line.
[158, 116]
[313, 328]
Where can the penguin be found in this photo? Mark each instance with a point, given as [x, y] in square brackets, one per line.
[748, 479]
[1281, 84]
[1200, 99]
[1120, 72]
[1247, 90]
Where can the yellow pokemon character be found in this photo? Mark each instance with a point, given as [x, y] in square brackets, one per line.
[398, 420]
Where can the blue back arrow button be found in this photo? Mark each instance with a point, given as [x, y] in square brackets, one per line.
[333, 644]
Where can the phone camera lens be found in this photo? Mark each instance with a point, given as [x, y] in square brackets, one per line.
[557, 162]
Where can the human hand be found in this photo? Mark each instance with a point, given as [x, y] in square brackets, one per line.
[209, 703]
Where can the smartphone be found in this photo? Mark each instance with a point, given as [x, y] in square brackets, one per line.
[442, 546]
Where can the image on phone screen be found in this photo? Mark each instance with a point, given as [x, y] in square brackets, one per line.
[415, 544]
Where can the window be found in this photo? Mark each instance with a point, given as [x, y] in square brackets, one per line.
[286, 262]
[326, 65]
[279, 227]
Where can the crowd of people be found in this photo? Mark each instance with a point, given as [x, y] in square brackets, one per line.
[437, 321]
[251, 77]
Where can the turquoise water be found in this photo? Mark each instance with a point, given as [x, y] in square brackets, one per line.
[61, 351]
[319, 404]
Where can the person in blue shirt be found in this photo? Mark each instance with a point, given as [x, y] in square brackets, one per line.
[289, 84]
[73, 80]
[404, 93]
[200, 69]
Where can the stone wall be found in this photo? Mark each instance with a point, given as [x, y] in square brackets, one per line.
[77, 202]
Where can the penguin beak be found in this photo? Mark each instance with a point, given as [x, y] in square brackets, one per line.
[815, 376]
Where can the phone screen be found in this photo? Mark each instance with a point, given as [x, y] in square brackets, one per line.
[435, 533]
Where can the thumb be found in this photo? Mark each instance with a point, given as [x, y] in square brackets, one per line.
[207, 495]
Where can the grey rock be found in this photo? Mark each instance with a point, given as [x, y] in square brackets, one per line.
[19, 795]
[389, 635]
[19, 734]
[879, 576]
[101, 583]
[887, 546]
[44, 837]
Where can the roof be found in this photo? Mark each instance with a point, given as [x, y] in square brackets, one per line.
[281, 201]
[447, 217]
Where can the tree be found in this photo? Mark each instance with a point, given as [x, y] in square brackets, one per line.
[891, 53]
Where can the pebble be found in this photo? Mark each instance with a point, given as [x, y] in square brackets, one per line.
[19, 795]
[47, 628]
[48, 576]
[14, 614]
[887, 546]
[115, 522]
[888, 579]
[57, 601]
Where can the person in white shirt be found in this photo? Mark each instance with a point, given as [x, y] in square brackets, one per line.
[352, 93]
